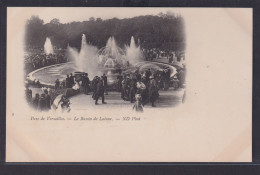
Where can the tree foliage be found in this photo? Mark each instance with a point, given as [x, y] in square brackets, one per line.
[164, 31]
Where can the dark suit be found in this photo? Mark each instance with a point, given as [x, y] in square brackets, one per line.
[105, 83]
[100, 91]
[152, 91]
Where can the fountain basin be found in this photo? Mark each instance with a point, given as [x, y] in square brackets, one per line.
[49, 74]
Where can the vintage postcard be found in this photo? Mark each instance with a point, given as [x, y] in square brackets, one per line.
[89, 84]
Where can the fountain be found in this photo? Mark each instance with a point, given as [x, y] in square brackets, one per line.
[111, 56]
[86, 59]
[48, 49]
[89, 59]
[110, 60]
[110, 63]
[133, 52]
[96, 62]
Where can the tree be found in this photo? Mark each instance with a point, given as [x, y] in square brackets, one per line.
[161, 31]
[55, 21]
[92, 19]
[35, 20]
[34, 32]
[99, 20]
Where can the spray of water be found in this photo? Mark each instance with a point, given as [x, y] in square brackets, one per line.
[92, 61]
[111, 55]
[133, 52]
[48, 49]
[86, 59]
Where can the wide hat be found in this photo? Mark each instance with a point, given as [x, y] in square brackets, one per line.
[138, 96]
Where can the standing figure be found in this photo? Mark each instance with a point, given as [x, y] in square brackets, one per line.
[48, 99]
[87, 87]
[28, 94]
[127, 88]
[123, 88]
[68, 82]
[147, 74]
[170, 58]
[42, 106]
[132, 90]
[104, 78]
[138, 107]
[35, 101]
[138, 76]
[140, 90]
[94, 86]
[57, 84]
[71, 80]
[63, 84]
[175, 82]
[83, 82]
[38, 84]
[181, 77]
[166, 79]
[100, 91]
[152, 91]
[119, 82]
[144, 91]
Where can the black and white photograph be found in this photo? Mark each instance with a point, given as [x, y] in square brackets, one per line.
[129, 84]
[135, 62]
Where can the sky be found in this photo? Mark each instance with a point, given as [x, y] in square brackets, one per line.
[68, 14]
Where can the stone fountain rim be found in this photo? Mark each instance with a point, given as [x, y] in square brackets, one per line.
[32, 78]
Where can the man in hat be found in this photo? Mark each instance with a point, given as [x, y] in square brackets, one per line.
[167, 74]
[100, 91]
[71, 78]
[87, 86]
[152, 90]
[94, 86]
[148, 74]
[68, 82]
[48, 99]
[104, 79]
[84, 83]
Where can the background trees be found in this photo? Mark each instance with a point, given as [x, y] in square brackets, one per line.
[164, 31]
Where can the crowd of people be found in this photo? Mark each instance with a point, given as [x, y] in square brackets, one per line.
[39, 102]
[157, 54]
[143, 86]
[38, 59]
[140, 88]
[44, 101]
